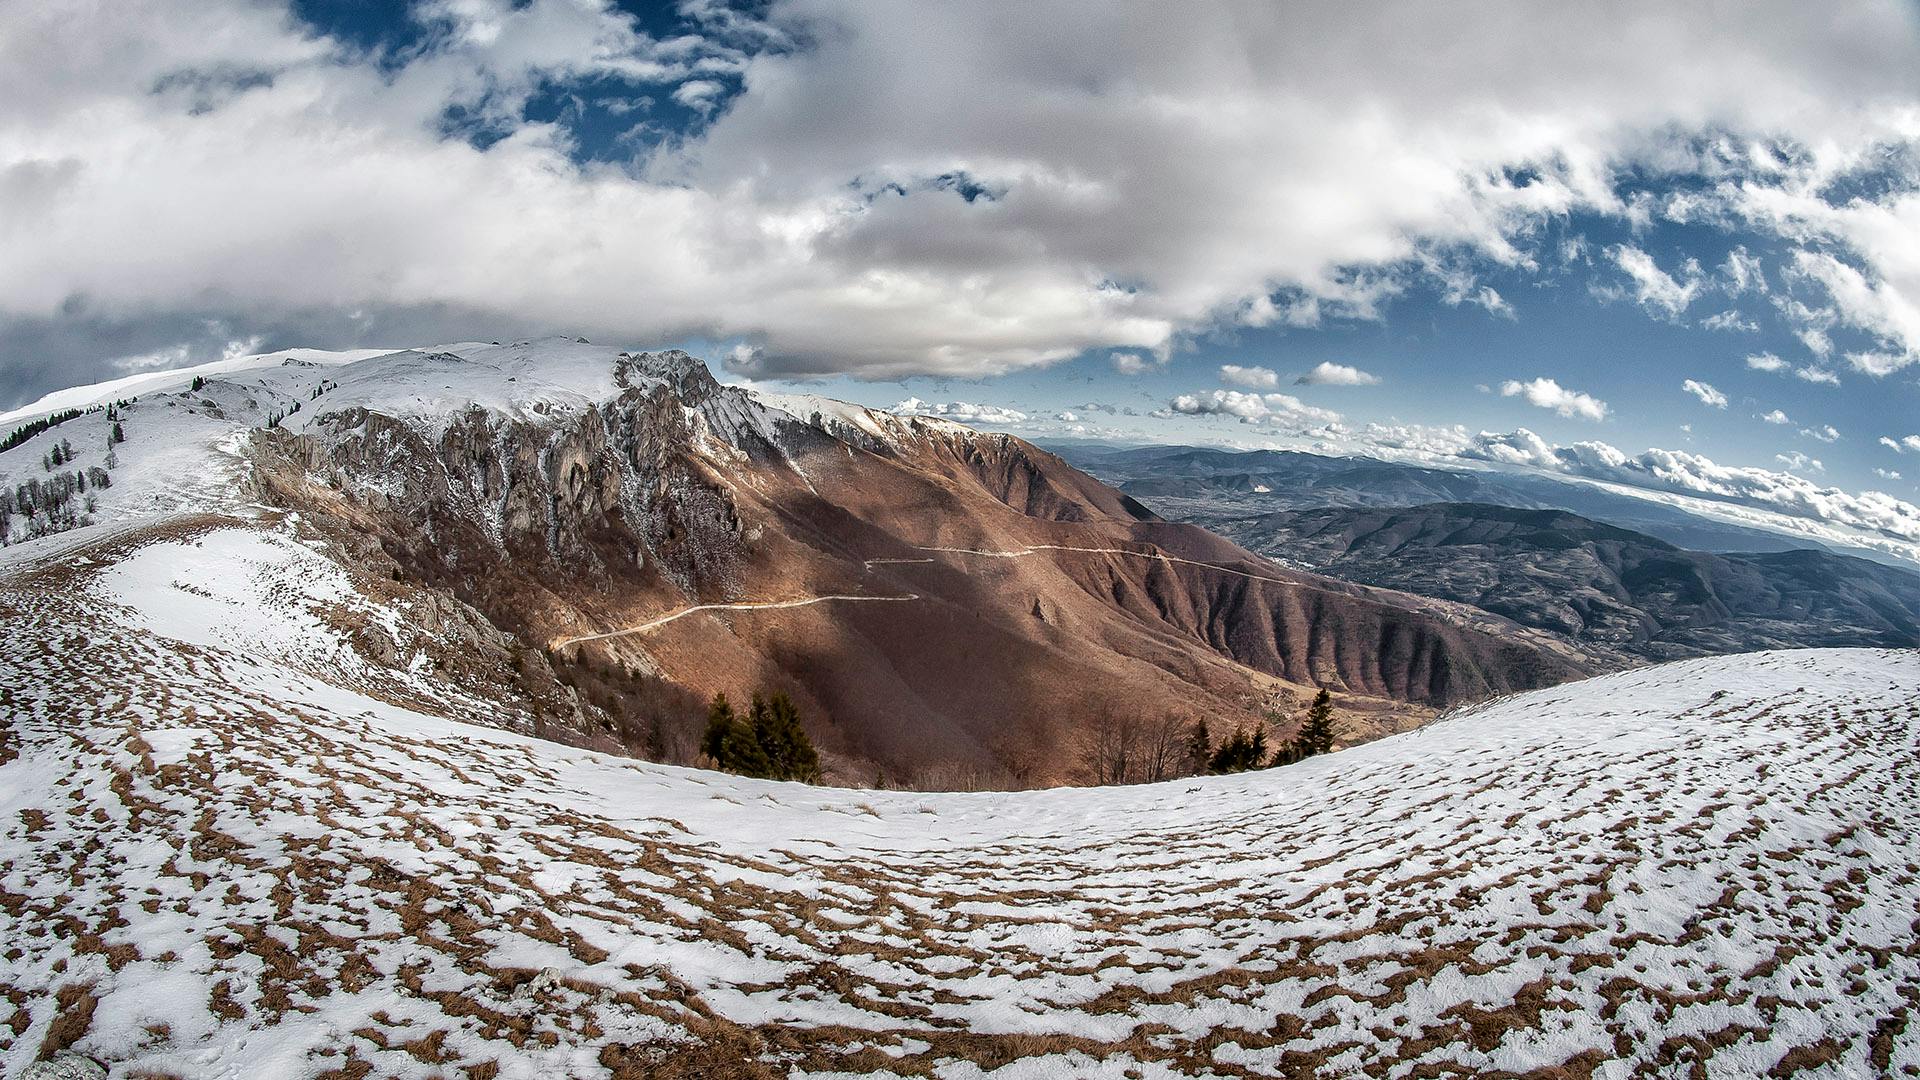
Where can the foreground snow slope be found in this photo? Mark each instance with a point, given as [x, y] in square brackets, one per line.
[227, 855]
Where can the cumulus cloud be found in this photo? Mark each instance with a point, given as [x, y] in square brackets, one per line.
[1258, 378]
[1825, 433]
[1774, 365]
[1252, 408]
[1799, 462]
[1777, 417]
[1131, 363]
[1547, 394]
[1707, 394]
[1327, 373]
[1902, 444]
[1653, 287]
[1886, 474]
[964, 412]
[1153, 192]
[1875, 305]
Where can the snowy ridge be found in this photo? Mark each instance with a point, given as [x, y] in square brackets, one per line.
[149, 382]
[235, 862]
[188, 431]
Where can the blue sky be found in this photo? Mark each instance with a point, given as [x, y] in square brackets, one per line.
[1671, 247]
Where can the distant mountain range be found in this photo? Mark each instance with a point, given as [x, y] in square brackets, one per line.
[1613, 592]
[1203, 484]
[1620, 595]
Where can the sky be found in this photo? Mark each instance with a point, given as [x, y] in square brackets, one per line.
[1670, 246]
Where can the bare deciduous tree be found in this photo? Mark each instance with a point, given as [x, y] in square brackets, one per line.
[1110, 750]
[1163, 748]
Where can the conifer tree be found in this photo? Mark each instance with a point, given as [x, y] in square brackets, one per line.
[1239, 752]
[719, 722]
[1317, 731]
[769, 742]
[776, 728]
[1199, 747]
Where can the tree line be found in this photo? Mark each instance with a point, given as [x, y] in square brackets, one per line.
[768, 741]
[1120, 749]
[34, 427]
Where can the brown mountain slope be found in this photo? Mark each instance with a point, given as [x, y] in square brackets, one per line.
[960, 603]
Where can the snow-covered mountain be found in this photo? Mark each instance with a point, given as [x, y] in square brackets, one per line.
[596, 541]
[236, 847]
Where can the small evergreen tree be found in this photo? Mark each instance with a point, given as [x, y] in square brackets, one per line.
[1199, 747]
[782, 741]
[1239, 752]
[769, 742]
[1317, 731]
[720, 721]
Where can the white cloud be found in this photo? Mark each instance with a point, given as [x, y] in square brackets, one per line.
[1707, 394]
[1743, 272]
[1252, 408]
[1653, 287]
[1877, 306]
[1327, 373]
[1901, 445]
[1258, 378]
[1817, 375]
[700, 95]
[1825, 433]
[1799, 462]
[1768, 498]
[1880, 364]
[1886, 474]
[1548, 394]
[1777, 417]
[965, 412]
[1730, 321]
[182, 355]
[1129, 363]
[1767, 362]
[1153, 190]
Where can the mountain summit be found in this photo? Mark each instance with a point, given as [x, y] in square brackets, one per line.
[608, 538]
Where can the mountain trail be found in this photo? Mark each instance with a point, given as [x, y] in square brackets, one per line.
[754, 605]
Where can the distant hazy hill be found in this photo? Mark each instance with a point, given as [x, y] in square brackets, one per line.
[1202, 484]
[1606, 588]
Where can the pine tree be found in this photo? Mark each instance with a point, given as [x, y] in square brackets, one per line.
[719, 722]
[1239, 752]
[782, 740]
[769, 742]
[1199, 747]
[1317, 731]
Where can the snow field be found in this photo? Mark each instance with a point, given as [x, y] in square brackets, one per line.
[249, 863]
